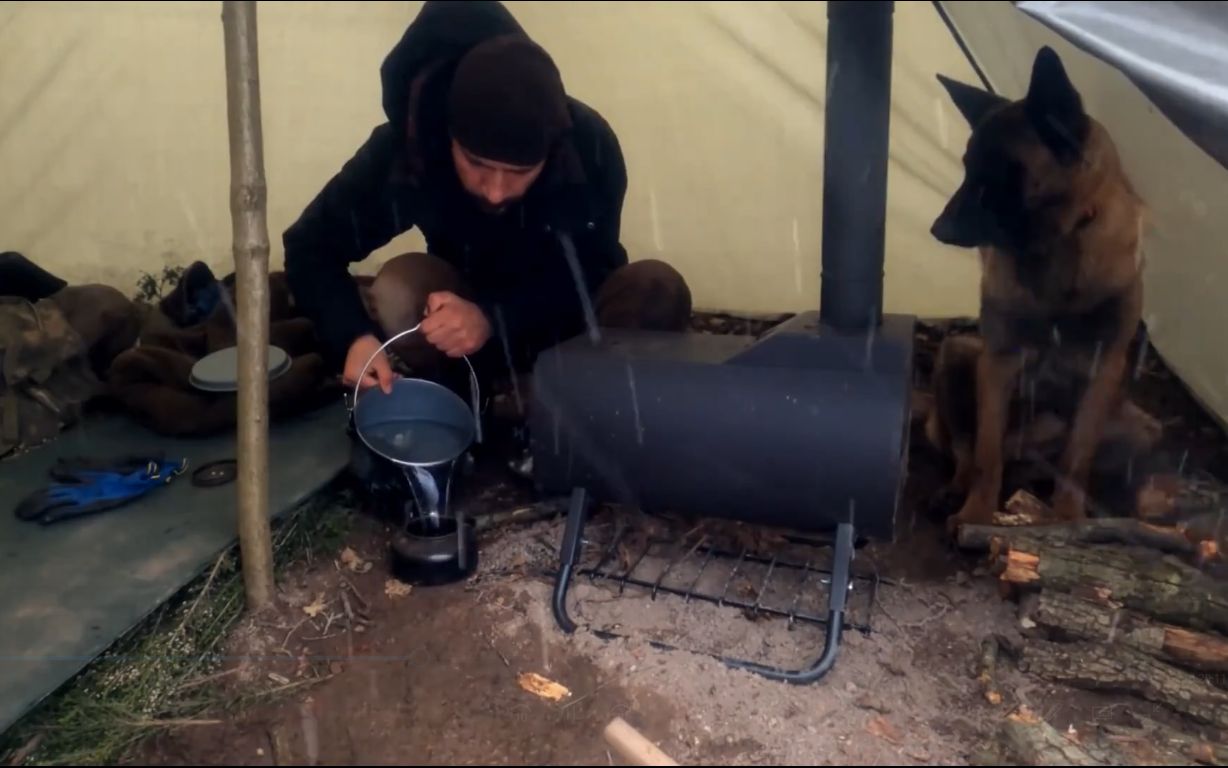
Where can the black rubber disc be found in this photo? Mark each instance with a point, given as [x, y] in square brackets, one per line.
[215, 473]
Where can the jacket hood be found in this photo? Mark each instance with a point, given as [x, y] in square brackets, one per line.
[442, 32]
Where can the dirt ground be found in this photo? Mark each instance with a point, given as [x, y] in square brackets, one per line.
[368, 671]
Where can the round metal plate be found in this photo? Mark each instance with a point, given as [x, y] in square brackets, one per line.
[219, 371]
[215, 473]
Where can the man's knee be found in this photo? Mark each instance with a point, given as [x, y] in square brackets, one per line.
[647, 294]
[399, 291]
[397, 301]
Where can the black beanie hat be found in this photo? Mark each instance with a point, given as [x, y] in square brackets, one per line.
[507, 102]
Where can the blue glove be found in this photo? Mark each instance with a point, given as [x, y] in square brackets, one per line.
[88, 487]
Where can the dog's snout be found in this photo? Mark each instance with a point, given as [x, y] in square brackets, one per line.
[960, 223]
[942, 229]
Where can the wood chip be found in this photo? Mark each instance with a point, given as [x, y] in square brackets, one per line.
[1023, 509]
[881, 727]
[350, 559]
[395, 589]
[543, 687]
[315, 608]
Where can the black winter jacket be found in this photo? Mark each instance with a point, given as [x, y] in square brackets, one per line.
[403, 177]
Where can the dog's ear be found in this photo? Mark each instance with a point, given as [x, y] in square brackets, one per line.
[973, 103]
[1055, 108]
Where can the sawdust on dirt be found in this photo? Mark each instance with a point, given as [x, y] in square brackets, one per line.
[435, 676]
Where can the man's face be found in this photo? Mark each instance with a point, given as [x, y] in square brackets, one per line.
[494, 186]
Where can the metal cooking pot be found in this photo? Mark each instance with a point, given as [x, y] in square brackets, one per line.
[421, 423]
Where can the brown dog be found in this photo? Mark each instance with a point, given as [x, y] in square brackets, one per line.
[1059, 227]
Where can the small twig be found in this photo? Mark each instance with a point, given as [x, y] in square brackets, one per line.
[283, 688]
[987, 669]
[26, 750]
[321, 637]
[345, 603]
[491, 643]
[882, 606]
[209, 678]
[331, 618]
[217, 565]
[285, 644]
[363, 605]
[579, 699]
[943, 610]
[170, 723]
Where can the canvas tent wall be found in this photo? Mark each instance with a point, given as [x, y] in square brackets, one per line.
[113, 139]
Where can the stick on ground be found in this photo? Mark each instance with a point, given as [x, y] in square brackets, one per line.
[987, 668]
[631, 745]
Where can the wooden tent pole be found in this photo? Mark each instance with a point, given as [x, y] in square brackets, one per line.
[251, 253]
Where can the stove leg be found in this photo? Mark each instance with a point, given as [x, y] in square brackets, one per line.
[569, 553]
[840, 578]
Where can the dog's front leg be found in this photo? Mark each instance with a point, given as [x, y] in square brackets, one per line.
[995, 375]
[1101, 398]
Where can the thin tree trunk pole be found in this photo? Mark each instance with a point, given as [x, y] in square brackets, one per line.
[251, 253]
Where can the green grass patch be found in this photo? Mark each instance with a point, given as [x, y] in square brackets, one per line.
[162, 673]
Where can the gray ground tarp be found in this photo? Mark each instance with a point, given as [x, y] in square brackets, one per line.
[71, 589]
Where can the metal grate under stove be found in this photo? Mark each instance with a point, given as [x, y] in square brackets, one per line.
[762, 574]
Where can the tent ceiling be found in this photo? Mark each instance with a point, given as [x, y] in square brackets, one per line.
[1175, 52]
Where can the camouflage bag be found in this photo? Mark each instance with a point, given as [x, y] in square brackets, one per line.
[45, 374]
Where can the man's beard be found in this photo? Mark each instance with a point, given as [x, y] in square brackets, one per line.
[492, 210]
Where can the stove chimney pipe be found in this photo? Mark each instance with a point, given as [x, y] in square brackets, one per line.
[855, 147]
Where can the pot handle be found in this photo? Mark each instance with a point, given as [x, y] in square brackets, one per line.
[473, 381]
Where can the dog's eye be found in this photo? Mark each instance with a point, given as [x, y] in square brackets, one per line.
[1088, 216]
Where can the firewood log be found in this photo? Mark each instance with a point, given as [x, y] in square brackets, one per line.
[1082, 618]
[1030, 740]
[1159, 586]
[1100, 531]
[1118, 668]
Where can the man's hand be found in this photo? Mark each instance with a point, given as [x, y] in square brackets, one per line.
[380, 371]
[454, 326]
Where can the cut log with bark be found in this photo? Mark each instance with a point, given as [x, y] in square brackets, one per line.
[1026, 739]
[1159, 740]
[1032, 741]
[1101, 531]
[1081, 618]
[1118, 668]
[1196, 505]
[1159, 586]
